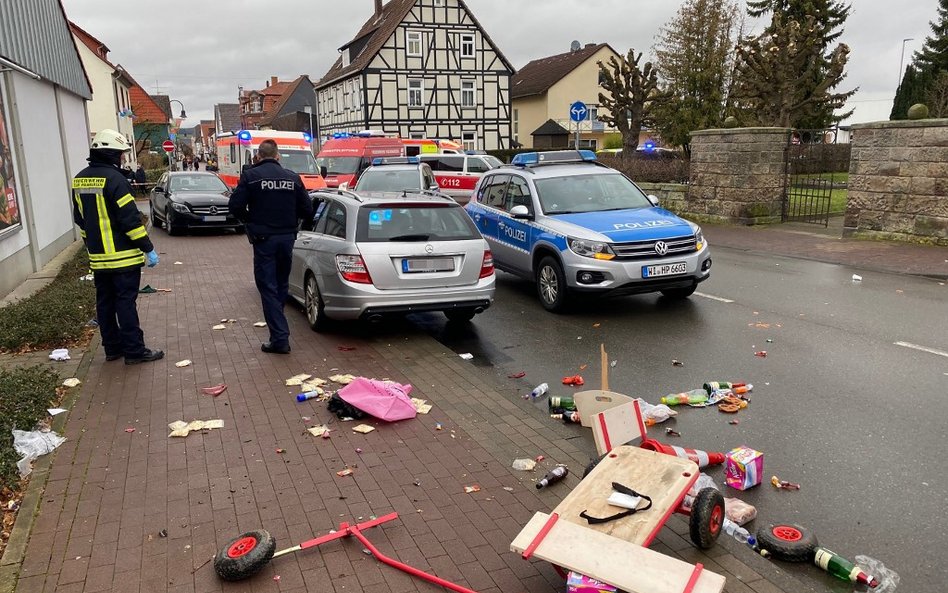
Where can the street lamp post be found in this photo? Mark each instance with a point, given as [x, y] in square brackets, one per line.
[183, 116]
[902, 60]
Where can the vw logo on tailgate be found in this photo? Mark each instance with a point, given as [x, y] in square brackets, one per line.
[661, 247]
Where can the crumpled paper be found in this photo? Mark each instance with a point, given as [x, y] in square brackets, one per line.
[71, 382]
[59, 354]
[421, 405]
[180, 428]
[33, 444]
[342, 379]
[183, 363]
[297, 379]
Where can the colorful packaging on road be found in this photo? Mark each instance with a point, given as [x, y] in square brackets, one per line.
[744, 468]
[578, 583]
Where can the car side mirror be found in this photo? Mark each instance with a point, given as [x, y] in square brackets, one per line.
[522, 212]
[653, 199]
[434, 187]
[323, 171]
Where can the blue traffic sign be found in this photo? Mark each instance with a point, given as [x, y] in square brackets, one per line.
[578, 111]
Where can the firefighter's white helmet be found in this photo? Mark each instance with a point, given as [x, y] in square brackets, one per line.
[110, 139]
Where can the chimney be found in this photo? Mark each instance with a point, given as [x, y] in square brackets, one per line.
[378, 7]
[273, 80]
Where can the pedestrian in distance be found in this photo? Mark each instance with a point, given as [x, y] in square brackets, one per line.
[270, 201]
[118, 246]
[140, 179]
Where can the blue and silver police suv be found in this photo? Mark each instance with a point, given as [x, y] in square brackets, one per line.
[570, 224]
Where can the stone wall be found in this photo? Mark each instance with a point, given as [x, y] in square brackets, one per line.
[898, 181]
[672, 196]
[737, 175]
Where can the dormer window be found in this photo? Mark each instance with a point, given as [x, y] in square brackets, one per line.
[345, 57]
[413, 44]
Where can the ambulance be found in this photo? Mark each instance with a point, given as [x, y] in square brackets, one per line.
[235, 150]
[417, 146]
[344, 157]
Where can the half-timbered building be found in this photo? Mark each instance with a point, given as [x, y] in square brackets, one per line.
[420, 69]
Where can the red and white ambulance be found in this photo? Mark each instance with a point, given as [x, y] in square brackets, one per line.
[345, 156]
[235, 150]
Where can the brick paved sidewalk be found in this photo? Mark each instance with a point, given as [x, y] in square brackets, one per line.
[110, 492]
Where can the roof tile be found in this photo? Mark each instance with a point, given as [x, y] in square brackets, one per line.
[539, 75]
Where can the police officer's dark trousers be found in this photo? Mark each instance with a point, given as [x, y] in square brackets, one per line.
[272, 258]
[115, 296]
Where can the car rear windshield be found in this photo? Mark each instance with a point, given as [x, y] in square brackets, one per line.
[339, 165]
[414, 222]
[383, 179]
[589, 193]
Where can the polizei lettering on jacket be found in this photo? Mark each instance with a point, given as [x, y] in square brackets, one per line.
[280, 184]
[648, 224]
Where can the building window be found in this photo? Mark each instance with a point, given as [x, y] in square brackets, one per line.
[417, 135]
[413, 44]
[415, 91]
[355, 96]
[594, 114]
[467, 93]
[345, 57]
[469, 140]
[9, 190]
[467, 45]
[516, 122]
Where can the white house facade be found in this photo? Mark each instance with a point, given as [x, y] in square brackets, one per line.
[420, 69]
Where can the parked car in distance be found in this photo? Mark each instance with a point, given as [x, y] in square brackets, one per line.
[396, 174]
[184, 200]
[570, 224]
[364, 256]
[457, 174]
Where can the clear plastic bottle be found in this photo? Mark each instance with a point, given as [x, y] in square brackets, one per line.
[739, 533]
[539, 390]
[695, 396]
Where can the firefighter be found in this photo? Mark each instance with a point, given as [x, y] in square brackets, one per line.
[118, 246]
[271, 200]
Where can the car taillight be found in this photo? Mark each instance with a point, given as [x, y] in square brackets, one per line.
[353, 269]
[487, 265]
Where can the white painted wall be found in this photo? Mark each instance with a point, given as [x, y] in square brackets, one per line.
[46, 184]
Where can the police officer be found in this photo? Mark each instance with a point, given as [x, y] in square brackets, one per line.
[111, 227]
[270, 201]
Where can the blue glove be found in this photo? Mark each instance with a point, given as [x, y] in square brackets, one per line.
[152, 258]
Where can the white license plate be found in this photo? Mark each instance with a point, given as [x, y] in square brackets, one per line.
[427, 264]
[672, 269]
[215, 218]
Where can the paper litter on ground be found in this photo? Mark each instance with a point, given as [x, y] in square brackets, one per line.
[363, 428]
[59, 354]
[260, 324]
[342, 379]
[466, 356]
[318, 431]
[183, 363]
[55, 411]
[71, 382]
[422, 406]
[219, 326]
[178, 263]
[307, 387]
[297, 379]
[228, 321]
[180, 428]
[33, 444]
[470, 489]
[344, 472]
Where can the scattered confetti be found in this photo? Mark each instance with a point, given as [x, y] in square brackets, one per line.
[178, 263]
[359, 450]
[129, 429]
[734, 422]
[260, 324]
[508, 488]
[761, 354]
[438, 426]
[344, 472]
[519, 375]
[582, 367]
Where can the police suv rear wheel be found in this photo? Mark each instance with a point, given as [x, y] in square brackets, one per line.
[551, 285]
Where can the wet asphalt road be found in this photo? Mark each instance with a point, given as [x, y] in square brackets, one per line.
[837, 406]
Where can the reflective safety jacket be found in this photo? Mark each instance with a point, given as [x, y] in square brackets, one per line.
[108, 219]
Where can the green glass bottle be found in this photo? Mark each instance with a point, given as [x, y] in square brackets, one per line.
[841, 568]
[561, 401]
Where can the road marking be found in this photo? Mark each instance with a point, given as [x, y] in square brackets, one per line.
[713, 298]
[922, 348]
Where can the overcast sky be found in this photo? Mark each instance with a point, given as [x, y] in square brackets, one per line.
[199, 52]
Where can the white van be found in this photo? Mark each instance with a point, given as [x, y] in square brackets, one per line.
[457, 174]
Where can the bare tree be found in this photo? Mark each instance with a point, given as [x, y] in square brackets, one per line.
[937, 96]
[631, 92]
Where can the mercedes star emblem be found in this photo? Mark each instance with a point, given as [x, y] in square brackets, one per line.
[429, 248]
[661, 247]
[213, 209]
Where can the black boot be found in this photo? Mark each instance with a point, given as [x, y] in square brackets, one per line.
[147, 356]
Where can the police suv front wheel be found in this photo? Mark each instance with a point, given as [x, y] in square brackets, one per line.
[551, 285]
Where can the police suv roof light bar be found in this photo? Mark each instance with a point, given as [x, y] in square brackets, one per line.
[527, 159]
[396, 160]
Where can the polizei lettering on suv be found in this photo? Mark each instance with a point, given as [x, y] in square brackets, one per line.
[572, 225]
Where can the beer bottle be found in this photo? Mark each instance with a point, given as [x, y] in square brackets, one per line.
[555, 475]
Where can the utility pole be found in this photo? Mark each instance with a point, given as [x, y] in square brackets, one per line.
[901, 60]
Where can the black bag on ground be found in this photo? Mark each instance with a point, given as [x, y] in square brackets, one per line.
[343, 409]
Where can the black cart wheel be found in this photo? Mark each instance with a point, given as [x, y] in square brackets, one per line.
[592, 465]
[244, 555]
[787, 542]
[707, 517]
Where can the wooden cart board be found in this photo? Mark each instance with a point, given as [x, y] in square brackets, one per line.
[627, 566]
[591, 402]
[664, 478]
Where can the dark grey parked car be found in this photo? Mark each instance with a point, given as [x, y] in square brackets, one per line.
[183, 200]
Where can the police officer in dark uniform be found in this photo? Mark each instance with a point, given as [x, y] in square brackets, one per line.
[112, 229]
[270, 201]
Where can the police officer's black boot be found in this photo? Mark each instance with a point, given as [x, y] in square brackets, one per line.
[269, 348]
[147, 356]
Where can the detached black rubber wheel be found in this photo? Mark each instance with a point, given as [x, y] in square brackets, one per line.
[460, 315]
[707, 517]
[244, 555]
[788, 542]
[680, 293]
[313, 304]
[551, 285]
